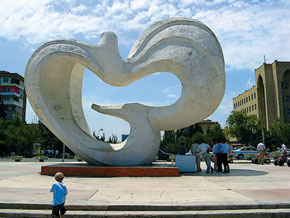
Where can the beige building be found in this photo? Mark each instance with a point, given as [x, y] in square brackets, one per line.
[270, 97]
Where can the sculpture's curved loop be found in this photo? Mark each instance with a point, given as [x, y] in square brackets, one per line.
[184, 47]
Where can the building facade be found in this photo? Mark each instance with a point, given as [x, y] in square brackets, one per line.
[13, 95]
[269, 99]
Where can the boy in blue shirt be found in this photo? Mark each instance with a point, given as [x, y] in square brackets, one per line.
[59, 196]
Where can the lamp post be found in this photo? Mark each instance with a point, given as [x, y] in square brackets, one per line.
[261, 112]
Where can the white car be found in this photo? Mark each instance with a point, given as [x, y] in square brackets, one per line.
[240, 153]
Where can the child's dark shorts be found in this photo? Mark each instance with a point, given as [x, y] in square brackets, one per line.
[58, 210]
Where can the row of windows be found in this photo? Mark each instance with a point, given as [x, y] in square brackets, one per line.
[6, 98]
[12, 81]
[245, 100]
[12, 116]
[8, 90]
[13, 108]
[249, 109]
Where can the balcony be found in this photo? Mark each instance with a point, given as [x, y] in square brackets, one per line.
[10, 94]
[11, 102]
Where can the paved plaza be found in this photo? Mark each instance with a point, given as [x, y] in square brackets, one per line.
[21, 182]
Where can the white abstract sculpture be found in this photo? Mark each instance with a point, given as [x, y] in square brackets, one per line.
[184, 47]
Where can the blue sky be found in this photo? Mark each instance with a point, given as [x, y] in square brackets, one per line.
[247, 30]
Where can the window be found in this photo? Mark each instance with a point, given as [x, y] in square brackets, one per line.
[20, 101]
[6, 80]
[287, 99]
[250, 109]
[6, 98]
[247, 110]
[21, 92]
[286, 85]
[15, 81]
[16, 99]
[255, 106]
[9, 108]
[288, 112]
[6, 90]
[255, 95]
[251, 96]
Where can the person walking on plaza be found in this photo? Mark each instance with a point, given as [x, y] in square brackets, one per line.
[261, 148]
[225, 150]
[59, 196]
[204, 149]
[194, 148]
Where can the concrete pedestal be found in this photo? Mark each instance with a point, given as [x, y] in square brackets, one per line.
[185, 163]
[85, 170]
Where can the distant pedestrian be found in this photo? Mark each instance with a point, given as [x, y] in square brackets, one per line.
[56, 153]
[261, 148]
[284, 150]
[181, 148]
[204, 149]
[194, 148]
[59, 196]
[225, 151]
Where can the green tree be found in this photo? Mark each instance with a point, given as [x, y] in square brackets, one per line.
[279, 133]
[47, 139]
[215, 132]
[113, 139]
[243, 127]
[3, 146]
[19, 137]
[167, 143]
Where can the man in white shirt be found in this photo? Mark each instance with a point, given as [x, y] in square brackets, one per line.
[261, 148]
[195, 153]
[204, 149]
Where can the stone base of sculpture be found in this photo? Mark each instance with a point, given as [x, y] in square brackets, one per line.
[85, 170]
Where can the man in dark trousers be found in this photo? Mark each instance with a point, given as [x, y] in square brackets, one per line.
[225, 150]
[219, 148]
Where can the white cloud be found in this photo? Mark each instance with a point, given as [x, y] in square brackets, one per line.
[171, 96]
[79, 9]
[250, 83]
[247, 31]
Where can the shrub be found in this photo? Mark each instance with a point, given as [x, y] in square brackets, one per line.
[250, 156]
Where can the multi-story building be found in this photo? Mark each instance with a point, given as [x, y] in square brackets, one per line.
[13, 95]
[269, 99]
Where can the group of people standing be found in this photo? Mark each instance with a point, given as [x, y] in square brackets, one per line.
[220, 156]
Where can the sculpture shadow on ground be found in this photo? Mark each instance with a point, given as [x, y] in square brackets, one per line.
[234, 172]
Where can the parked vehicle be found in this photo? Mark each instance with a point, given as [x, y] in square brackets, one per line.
[281, 160]
[255, 160]
[240, 153]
